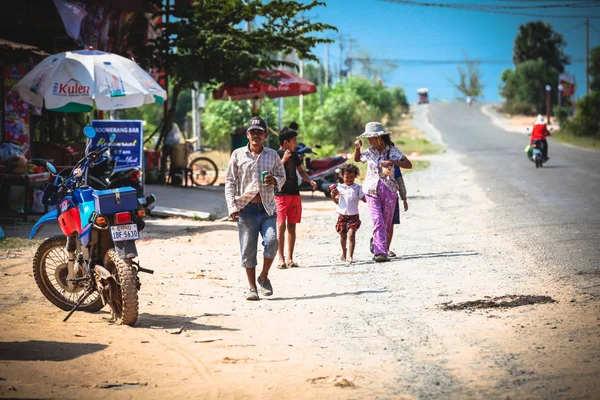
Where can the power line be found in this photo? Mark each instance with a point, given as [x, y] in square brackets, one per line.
[592, 26]
[421, 62]
[491, 9]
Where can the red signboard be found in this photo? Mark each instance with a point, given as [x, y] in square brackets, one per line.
[568, 83]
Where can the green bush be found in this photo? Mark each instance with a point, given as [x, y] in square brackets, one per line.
[561, 113]
[586, 121]
[522, 108]
[525, 86]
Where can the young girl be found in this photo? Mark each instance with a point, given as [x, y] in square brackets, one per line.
[347, 196]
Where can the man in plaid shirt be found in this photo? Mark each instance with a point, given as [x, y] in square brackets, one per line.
[251, 202]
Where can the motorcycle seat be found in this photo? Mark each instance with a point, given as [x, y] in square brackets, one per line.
[326, 162]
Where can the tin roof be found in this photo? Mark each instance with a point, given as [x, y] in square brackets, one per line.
[14, 46]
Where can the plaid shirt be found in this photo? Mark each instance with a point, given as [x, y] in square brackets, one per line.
[242, 181]
[373, 158]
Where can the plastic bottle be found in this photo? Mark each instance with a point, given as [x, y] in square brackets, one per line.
[114, 81]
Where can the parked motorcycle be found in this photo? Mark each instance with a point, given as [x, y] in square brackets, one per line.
[324, 171]
[103, 176]
[92, 264]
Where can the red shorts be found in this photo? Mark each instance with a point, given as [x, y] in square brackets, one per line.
[290, 208]
[347, 222]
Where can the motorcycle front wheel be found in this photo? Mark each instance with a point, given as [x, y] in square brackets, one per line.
[123, 294]
[50, 272]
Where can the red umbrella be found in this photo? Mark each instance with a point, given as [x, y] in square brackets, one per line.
[288, 84]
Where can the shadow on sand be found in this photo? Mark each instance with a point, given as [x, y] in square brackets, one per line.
[436, 255]
[322, 296]
[156, 230]
[40, 350]
[152, 321]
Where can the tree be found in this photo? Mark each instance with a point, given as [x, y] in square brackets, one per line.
[594, 69]
[375, 69]
[586, 121]
[539, 40]
[206, 42]
[469, 76]
[524, 88]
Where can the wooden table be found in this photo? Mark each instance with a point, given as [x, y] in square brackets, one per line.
[28, 181]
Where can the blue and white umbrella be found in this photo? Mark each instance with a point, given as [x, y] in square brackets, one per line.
[73, 81]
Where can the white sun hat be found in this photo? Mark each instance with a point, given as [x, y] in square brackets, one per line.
[374, 129]
[540, 120]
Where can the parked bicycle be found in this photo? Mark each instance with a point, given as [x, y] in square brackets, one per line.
[186, 164]
[203, 170]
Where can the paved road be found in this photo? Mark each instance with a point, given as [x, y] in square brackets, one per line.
[553, 211]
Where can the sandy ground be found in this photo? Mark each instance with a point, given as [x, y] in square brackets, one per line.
[514, 123]
[330, 330]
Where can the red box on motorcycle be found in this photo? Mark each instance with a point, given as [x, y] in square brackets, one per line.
[112, 201]
[69, 219]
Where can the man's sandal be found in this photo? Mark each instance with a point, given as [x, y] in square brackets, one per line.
[283, 265]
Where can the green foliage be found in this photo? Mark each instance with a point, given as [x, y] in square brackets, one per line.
[538, 40]
[586, 121]
[594, 69]
[469, 76]
[206, 41]
[524, 88]
[313, 73]
[561, 113]
[220, 119]
[335, 124]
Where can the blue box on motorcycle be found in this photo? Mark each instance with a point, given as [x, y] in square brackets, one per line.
[112, 201]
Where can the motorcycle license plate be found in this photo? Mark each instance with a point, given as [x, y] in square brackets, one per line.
[124, 232]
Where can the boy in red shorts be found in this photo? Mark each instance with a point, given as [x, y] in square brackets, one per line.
[289, 205]
[347, 196]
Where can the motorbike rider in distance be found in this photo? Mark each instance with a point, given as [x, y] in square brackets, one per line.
[540, 132]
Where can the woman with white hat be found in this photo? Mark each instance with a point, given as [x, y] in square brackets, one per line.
[540, 132]
[380, 187]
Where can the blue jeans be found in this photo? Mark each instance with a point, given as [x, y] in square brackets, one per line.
[253, 220]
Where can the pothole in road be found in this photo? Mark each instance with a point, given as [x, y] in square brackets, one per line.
[498, 302]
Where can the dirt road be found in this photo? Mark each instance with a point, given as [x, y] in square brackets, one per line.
[391, 330]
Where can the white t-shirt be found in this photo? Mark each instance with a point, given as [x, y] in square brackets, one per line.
[349, 198]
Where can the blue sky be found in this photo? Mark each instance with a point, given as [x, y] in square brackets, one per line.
[396, 31]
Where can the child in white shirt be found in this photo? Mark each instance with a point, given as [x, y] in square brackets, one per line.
[347, 196]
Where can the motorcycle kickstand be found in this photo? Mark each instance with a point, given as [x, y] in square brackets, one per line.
[81, 299]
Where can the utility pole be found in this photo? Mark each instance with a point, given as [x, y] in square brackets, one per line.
[349, 56]
[327, 64]
[301, 97]
[320, 83]
[587, 57]
[341, 51]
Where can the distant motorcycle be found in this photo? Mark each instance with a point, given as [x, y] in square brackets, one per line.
[535, 152]
[324, 171]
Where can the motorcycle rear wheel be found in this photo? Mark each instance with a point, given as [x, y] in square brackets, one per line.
[123, 295]
[204, 171]
[537, 161]
[50, 273]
